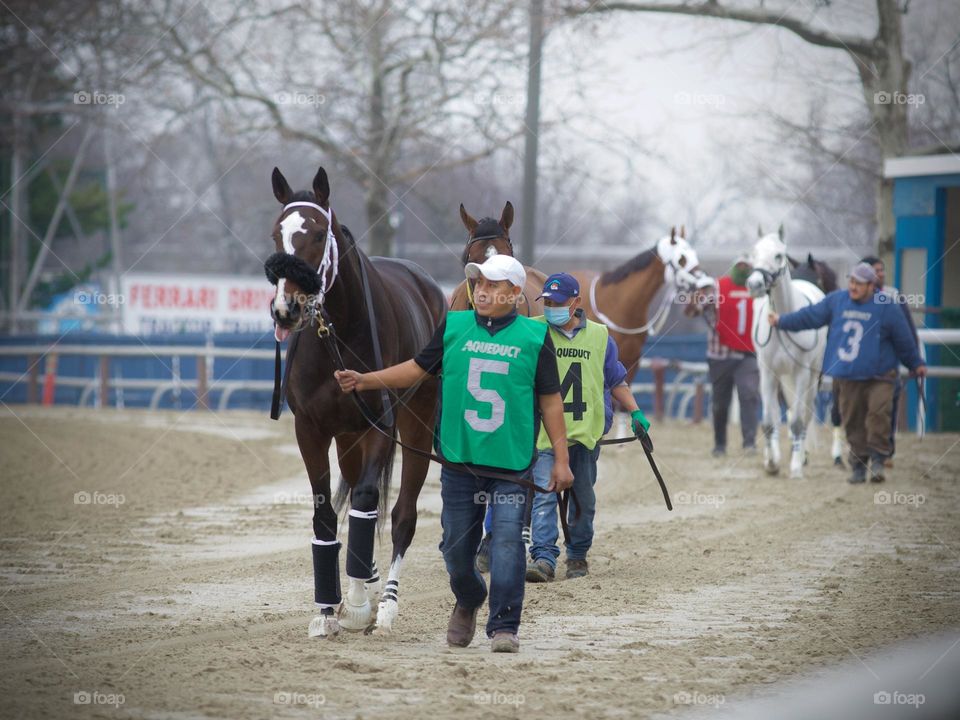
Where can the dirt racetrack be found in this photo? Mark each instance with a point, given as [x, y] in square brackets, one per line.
[157, 565]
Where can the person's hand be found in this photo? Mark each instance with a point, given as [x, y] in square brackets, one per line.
[349, 380]
[921, 371]
[638, 421]
[773, 318]
[561, 478]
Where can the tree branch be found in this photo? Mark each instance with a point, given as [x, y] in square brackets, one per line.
[712, 8]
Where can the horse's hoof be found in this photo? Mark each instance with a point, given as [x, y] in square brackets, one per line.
[324, 626]
[796, 474]
[354, 617]
[772, 469]
[838, 462]
[386, 613]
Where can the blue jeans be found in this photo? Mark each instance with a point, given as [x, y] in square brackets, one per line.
[583, 465]
[465, 498]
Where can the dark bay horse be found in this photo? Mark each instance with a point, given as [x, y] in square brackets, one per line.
[621, 298]
[324, 281]
[487, 237]
[814, 271]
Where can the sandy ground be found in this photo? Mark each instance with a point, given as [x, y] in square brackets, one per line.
[177, 583]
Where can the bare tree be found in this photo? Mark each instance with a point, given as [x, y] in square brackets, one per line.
[880, 62]
[370, 84]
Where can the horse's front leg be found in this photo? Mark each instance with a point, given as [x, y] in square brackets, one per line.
[415, 424]
[314, 449]
[800, 414]
[376, 465]
[770, 421]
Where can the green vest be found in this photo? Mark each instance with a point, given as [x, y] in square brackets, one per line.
[487, 413]
[580, 364]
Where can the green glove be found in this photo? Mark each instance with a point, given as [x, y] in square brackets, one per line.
[639, 421]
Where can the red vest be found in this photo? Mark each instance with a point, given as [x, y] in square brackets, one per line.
[734, 315]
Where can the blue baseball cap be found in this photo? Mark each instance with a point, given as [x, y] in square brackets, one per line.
[560, 287]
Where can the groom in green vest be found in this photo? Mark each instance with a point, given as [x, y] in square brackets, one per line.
[588, 365]
[498, 379]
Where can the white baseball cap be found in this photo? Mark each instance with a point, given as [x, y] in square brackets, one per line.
[498, 267]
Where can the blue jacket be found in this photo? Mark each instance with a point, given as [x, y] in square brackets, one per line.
[865, 340]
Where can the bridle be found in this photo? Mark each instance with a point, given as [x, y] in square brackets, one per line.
[480, 238]
[769, 280]
[330, 262]
[671, 273]
[280, 265]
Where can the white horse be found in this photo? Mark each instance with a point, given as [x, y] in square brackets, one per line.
[788, 360]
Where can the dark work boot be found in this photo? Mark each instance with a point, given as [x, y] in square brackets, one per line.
[876, 469]
[462, 626]
[859, 467]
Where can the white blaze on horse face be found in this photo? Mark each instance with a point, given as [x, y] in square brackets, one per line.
[280, 301]
[490, 251]
[292, 224]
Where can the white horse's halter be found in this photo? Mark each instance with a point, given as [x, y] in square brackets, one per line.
[330, 263]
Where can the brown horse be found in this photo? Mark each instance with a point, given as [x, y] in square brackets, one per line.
[815, 271]
[344, 309]
[621, 298]
[492, 237]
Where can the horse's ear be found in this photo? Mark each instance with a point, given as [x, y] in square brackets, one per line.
[321, 187]
[810, 261]
[506, 217]
[673, 235]
[759, 231]
[780, 232]
[281, 188]
[683, 232]
[468, 222]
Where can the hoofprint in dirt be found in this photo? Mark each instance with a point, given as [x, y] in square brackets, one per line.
[158, 565]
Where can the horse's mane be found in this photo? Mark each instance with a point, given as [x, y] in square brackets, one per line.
[634, 264]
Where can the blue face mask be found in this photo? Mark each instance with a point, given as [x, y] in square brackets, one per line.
[557, 315]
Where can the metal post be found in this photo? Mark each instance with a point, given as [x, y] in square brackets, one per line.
[528, 212]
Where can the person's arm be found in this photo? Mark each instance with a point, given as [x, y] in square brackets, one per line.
[551, 410]
[547, 387]
[904, 345]
[808, 318]
[403, 375]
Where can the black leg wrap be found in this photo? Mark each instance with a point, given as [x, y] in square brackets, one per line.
[326, 574]
[360, 537]
[390, 591]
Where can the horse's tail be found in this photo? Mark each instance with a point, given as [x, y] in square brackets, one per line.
[342, 496]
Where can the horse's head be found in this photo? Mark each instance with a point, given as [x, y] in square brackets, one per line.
[682, 264]
[487, 236]
[769, 261]
[306, 260]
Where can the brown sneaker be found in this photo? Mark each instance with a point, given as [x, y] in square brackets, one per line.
[462, 626]
[576, 568]
[505, 641]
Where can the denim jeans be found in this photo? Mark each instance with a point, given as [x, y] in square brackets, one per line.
[583, 464]
[465, 499]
